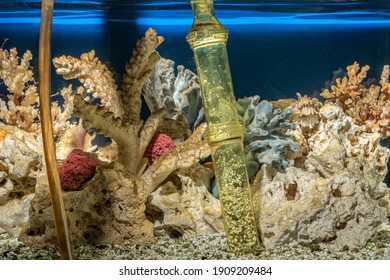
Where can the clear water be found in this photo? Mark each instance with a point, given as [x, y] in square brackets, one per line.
[276, 48]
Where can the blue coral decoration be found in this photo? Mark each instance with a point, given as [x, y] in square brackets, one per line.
[265, 140]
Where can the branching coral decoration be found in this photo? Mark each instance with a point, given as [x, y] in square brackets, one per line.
[21, 108]
[97, 80]
[348, 89]
[62, 114]
[16, 72]
[129, 132]
[306, 114]
[132, 139]
[138, 71]
[369, 107]
[118, 119]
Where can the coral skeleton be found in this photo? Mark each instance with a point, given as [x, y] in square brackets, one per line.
[265, 140]
[178, 95]
[21, 107]
[368, 106]
[306, 115]
[118, 117]
[130, 133]
[97, 80]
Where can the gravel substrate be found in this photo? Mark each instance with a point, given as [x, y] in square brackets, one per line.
[203, 247]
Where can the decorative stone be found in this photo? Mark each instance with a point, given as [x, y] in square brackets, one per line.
[338, 197]
[184, 205]
[18, 170]
[17, 157]
[15, 215]
[109, 209]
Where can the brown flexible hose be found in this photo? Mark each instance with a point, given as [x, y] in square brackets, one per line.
[44, 67]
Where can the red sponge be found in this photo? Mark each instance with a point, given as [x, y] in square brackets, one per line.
[77, 169]
[158, 145]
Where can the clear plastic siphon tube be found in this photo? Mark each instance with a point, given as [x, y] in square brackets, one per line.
[208, 38]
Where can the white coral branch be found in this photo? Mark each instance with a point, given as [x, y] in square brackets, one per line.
[21, 107]
[16, 72]
[61, 115]
[97, 80]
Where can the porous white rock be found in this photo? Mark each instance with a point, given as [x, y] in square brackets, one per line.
[18, 158]
[184, 205]
[15, 215]
[109, 209]
[19, 165]
[338, 197]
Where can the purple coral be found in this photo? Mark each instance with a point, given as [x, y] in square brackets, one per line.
[158, 145]
[77, 169]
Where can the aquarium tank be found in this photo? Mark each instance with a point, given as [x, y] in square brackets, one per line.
[173, 124]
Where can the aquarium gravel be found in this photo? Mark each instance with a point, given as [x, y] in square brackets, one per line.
[210, 247]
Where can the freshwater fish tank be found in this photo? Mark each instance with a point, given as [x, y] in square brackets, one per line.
[312, 94]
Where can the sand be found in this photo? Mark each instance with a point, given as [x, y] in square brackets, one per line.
[210, 247]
